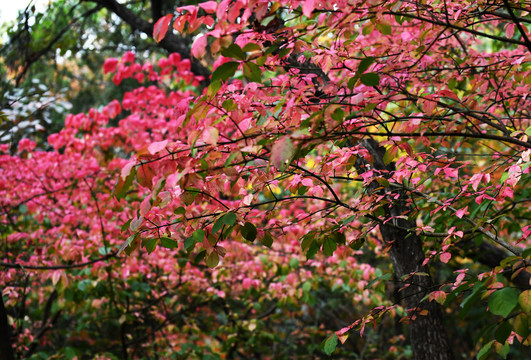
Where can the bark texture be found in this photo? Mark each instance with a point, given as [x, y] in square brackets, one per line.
[6, 349]
[427, 334]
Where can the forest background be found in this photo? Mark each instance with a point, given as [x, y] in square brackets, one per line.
[253, 179]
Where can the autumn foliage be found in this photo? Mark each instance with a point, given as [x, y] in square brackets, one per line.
[353, 178]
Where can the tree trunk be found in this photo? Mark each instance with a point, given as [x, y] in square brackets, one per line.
[427, 335]
[6, 350]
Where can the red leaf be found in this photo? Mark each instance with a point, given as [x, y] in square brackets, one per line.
[161, 27]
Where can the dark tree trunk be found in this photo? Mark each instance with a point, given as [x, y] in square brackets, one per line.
[6, 349]
[427, 334]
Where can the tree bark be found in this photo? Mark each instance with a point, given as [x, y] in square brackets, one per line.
[426, 332]
[6, 349]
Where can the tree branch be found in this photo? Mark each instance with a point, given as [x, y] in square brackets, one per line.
[171, 42]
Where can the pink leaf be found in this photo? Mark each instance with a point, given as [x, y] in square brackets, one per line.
[126, 170]
[307, 182]
[161, 27]
[439, 296]
[211, 135]
[282, 152]
[461, 212]
[157, 146]
[209, 6]
[145, 206]
[445, 257]
[199, 46]
[509, 31]
[307, 7]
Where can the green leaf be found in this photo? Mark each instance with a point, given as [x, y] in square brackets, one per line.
[217, 225]
[329, 345]
[329, 246]
[348, 220]
[225, 71]
[503, 301]
[121, 187]
[229, 160]
[364, 64]
[294, 263]
[196, 237]
[200, 256]
[168, 243]
[370, 79]
[213, 89]
[356, 245]
[212, 259]
[384, 29]
[522, 325]
[233, 51]
[251, 47]
[339, 238]
[467, 304]
[307, 240]
[126, 225]
[384, 277]
[252, 72]
[352, 82]
[150, 244]
[248, 231]
[504, 177]
[229, 218]
[312, 250]
[229, 105]
[484, 352]
[503, 350]
[267, 240]
[502, 332]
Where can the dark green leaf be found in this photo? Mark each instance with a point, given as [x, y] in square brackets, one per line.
[233, 51]
[502, 332]
[267, 240]
[126, 225]
[364, 65]
[150, 244]
[356, 245]
[249, 231]
[329, 246]
[251, 47]
[312, 250]
[370, 79]
[217, 225]
[225, 71]
[168, 243]
[352, 82]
